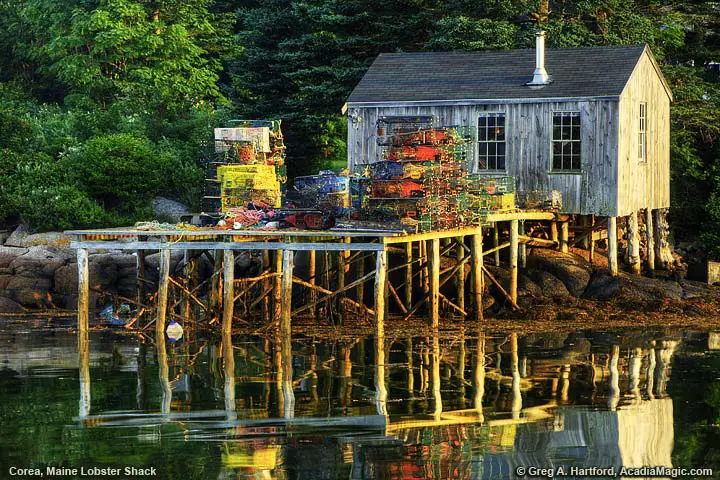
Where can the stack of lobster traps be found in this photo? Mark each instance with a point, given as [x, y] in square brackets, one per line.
[420, 173]
[246, 166]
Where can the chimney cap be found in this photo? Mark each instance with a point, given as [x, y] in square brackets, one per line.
[540, 75]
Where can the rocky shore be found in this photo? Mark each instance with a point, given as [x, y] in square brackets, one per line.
[40, 272]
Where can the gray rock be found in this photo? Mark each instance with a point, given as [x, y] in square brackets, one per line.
[571, 269]
[526, 287]
[102, 269]
[632, 288]
[31, 291]
[40, 261]
[9, 306]
[550, 284]
[55, 239]
[692, 289]
[8, 254]
[17, 237]
[168, 210]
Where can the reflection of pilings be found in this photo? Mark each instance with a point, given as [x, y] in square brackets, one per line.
[141, 362]
[410, 373]
[228, 310]
[564, 382]
[514, 367]
[650, 375]
[437, 397]
[461, 367]
[634, 373]
[380, 281]
[664, 357]
[614, 395]
[83, 340]
[479, 375]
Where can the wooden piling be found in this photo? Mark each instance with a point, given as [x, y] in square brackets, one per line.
[554, 233]
[83, 309]
[228, 310]
[522, 248]
[649, 241]
[426, 267]
[408, 275]
[162, 298]
[140, 274]
[286, 333]
[513, 259]
[496, 243]
[360, 292]
[286, 294]
[592, 238]
[277, 294]
[215, 283]
[565, 237]
[162, 295]
[634, 243]
[266, 286]
[663, 252]
[612, 250]
[477, 274]
[460, 275]
[379, 339]
[435, 283]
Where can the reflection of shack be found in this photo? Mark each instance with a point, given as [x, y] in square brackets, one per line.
[258, 456]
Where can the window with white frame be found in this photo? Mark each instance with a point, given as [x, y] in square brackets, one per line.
[491, 141]
[642, 133]
[566, 142]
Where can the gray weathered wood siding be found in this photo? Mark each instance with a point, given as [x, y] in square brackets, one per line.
[528, 146]
[644, 184]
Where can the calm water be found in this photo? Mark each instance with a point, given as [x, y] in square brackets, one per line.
[460, 404]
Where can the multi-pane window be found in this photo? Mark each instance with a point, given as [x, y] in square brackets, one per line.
[566, 141]
[642, 133]
[491, 141]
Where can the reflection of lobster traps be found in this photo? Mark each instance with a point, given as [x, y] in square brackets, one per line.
[539, 199]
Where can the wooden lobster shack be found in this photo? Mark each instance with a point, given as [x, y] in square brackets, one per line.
[591, 123]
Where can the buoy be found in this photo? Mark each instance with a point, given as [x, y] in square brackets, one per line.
[174, 331]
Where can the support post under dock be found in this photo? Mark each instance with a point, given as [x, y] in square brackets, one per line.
[160, 330]
[435, 283]
[277, 294]
[612, 250]
[286, 332]
[83, 320]
[460, 279]
[634, 243]
[513, 259]
[408, 275]
[477, 274]
[565, 237]
[379, 340]
[649, 240]
[554, 236]
[228, 310]
[522, 249]
[496, 243]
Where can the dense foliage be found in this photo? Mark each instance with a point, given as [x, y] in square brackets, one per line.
[100, 98]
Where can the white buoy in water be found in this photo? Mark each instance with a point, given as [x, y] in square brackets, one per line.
[174, 331]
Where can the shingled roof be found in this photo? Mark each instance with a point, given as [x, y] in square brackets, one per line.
[496, 74]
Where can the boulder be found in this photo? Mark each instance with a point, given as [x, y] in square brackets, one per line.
[102, 269]
[9, 306]
[31, 291]
[17, 237]
[571, 269]
[551, 286]
[632, 288]
[40, 261]
[8, 254]
[167, 210]
[692, 289]
[526, 287]
[54, 239]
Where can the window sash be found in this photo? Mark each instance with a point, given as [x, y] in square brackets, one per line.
[566, 141]
[491, 141]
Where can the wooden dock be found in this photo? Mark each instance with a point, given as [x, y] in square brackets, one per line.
[350, 248]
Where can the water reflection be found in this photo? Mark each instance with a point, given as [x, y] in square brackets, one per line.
[446, 404]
